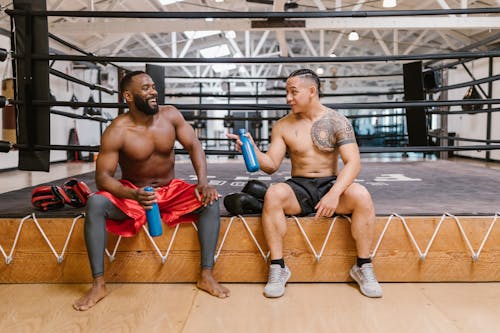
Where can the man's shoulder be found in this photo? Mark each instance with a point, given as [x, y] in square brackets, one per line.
[118, 125]
[169, 111]
[120, 120]
[167, 107]
[331, 111]
[286, 120]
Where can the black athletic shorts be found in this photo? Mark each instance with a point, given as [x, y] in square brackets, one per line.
[309, 191]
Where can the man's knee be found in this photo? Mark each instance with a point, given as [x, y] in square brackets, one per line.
[210, 213]
[359, 195]
[277, 194]
[96, 203]
[213, 207]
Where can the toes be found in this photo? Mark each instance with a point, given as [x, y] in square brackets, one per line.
[223, 292]
[83, 305]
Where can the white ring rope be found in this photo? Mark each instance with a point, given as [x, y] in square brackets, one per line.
[304, 234]
[8, 258]
[422, 254]
[242, 219]
[164, 257]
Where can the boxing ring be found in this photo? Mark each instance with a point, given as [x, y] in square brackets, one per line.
[436, 219]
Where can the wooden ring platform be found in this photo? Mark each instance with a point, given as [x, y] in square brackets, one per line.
[406, 249]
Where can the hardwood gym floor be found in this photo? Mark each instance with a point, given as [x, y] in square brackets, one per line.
[314, 307]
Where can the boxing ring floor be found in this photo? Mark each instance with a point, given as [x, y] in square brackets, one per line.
[412, 187]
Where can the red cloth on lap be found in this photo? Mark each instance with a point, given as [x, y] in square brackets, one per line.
[175, 200]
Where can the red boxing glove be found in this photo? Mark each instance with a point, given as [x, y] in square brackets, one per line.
[48, 197]
[76, 192]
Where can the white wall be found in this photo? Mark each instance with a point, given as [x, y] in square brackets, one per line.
[7, 160]
[88, 131]
[474, 126]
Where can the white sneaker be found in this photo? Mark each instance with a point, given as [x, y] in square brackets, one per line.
[365, 277]
[276, 282]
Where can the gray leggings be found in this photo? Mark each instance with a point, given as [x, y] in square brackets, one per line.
[99, 208]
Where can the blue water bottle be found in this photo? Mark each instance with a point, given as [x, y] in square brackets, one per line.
[248, 152]
[153, 217]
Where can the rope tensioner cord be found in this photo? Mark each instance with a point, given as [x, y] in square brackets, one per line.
[242, 219]
[422, 254]
[325, 241]
[59, 257]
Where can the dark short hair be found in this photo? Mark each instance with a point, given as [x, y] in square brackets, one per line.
[125, 81]
[309, 74]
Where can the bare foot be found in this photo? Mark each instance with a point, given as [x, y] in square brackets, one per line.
[94, 295]
[208, 283]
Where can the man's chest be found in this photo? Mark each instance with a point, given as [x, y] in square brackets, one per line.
[141, 144]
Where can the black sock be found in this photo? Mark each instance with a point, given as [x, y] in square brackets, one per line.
[362, 261]
[280, 262]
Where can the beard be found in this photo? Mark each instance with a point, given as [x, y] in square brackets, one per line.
[143, 105]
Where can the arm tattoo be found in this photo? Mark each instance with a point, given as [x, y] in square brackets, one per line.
[332, 131]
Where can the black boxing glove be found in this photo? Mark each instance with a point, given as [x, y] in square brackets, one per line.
[256, 188]
[242, 203]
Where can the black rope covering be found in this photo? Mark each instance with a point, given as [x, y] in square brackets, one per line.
[279, 78]
[76, 48]
[5, 146]
[455, 138]
[471, 112]
[266, 60]
[261, 95]
[81, 82]
[466, 84]
[258, 118]
[77, 116]
[252, 15]
[256, 107]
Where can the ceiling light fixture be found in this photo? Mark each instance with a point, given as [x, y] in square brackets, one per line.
[218, 68]
[201, 34]
[169, 2]
[389, 3]
[353, 35]
[216, 51]
[230, 34]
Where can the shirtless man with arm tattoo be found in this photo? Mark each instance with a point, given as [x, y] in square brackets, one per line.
[314, 137]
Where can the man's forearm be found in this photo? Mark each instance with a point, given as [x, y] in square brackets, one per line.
[345, 178]
[266, 163]
[113, 186]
